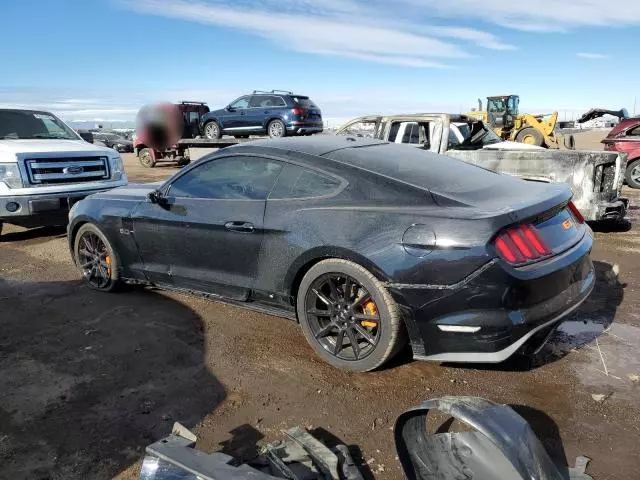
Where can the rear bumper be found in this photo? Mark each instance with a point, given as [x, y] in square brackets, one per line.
[302, 128]
[41, 209]
[493, 315]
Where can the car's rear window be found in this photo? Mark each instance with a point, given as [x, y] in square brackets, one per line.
[303, 101]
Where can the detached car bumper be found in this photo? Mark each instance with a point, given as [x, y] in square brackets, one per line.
[494, 314]
[41, 209]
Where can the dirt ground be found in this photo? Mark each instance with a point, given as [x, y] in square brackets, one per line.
[87, 380]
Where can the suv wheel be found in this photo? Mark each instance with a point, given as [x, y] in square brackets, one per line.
[276, 129]
[212, 131]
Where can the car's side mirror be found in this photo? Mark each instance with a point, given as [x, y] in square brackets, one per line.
[156, 197]
[229, 108]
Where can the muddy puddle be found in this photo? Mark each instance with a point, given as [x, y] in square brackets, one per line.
[604, 356]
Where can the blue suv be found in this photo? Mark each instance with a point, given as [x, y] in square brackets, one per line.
[277, 113]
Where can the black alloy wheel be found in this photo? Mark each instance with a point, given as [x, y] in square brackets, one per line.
[96, 259]
[343, 317]
[348, 316]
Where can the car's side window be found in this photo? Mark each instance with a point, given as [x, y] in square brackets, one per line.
[237, 177]
[299, 182]
[634, 132]
[242, 102]
[277, 101]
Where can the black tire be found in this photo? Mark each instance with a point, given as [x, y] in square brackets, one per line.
[212, 130]
[530, 136]
[632, 174]
[146, 158]
[103, 276]
[569, 142]
[276, 129]
[0, 229]
[389, 333]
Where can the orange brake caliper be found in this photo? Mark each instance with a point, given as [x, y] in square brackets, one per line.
[370, 309]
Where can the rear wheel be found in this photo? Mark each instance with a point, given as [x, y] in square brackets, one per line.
[348, 317]
[212, 131]
[146, 158]
[632, 175]
[530, 136]
[96, 259]
[276, 129]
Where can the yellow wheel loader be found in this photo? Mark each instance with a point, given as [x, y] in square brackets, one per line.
[503, 116]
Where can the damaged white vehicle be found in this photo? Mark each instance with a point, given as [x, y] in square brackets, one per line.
[595, 177]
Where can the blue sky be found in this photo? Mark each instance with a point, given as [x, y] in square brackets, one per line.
[103, 59]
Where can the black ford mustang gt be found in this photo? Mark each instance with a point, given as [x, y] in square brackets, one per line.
[365, 243]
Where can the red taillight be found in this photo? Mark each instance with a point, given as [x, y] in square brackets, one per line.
[298, 111]
[575, 212]
[521, 244]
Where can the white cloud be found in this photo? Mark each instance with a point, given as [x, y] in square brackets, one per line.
[347, 29]
[592, 56]
[539, 15]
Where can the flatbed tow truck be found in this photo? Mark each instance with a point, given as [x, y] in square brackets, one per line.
[166, 132]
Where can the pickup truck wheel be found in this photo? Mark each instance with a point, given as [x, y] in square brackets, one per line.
[632, 175]
[97, 260]
[530, 136]
[276, 129]
[146, 158]
[212, 131]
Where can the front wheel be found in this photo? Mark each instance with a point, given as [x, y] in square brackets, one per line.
[96, 259]
[348, 317]
[530, 136]
[632, 175]
[276, 129]
[146, 158]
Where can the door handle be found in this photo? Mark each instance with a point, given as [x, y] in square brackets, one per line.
[243, 227]
[266, 111]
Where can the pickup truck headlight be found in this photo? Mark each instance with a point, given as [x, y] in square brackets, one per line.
[10, 175]
[117, 167]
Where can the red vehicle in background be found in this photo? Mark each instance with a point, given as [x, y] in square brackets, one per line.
[165, 132]
[625, 138]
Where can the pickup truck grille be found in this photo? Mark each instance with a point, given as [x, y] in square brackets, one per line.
[48, 171]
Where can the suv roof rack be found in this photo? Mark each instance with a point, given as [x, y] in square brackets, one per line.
[286, 92]
[190, 102]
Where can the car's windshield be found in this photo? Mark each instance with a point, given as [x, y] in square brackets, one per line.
[27, 124]
[473, 134]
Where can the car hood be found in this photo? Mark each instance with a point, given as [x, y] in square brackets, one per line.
[508, 145]
[132, 191]
[48, 146]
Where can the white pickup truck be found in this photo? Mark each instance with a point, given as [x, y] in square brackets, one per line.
[45, 167]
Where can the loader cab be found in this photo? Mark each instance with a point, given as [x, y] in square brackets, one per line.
[502, 111]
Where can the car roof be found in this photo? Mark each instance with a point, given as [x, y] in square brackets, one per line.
[402, 163]
[317, 145]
